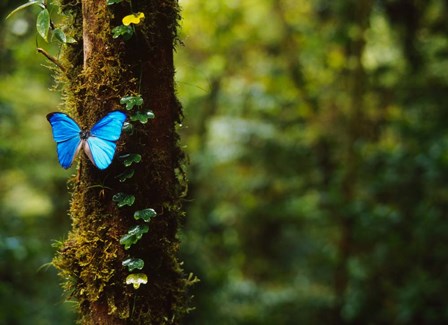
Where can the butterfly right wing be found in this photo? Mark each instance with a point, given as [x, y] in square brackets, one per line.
[66, 135]
[101, 152]
[109, 127]
[100, 146]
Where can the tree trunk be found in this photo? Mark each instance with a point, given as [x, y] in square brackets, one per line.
[101, 70]
[356, 81]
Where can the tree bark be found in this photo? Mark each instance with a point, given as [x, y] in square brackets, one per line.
[101, 70]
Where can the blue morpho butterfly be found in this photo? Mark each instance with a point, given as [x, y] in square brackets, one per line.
[98, 142]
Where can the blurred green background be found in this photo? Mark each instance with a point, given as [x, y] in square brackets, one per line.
[318, 147]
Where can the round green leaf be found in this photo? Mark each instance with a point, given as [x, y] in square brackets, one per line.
[133, 263]
[131, 101]
[142, 117]
[145, 214]
[134, 235]
[127, 174]
[128, 128]
[130, 158]
[123, 199]
[125, 31]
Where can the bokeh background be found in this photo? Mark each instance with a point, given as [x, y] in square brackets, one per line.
[318, 144]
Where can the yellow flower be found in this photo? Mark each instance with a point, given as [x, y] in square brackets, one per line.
[136, 279]
[133, 19]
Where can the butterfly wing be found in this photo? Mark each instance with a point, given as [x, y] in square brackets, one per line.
[100, 146]
[66, 135]
[101, 152]
[109, 127]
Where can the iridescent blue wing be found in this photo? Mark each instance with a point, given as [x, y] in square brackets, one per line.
[109, 127]
[100, 146]
[101, 152]
[66, 134]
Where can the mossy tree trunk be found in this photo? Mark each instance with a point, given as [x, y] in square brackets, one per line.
[101, 70]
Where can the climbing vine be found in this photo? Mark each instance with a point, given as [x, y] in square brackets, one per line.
[136, 232]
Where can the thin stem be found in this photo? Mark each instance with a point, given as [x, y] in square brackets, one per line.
[51, 58]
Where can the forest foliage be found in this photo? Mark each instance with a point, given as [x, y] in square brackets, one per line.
[318, 153]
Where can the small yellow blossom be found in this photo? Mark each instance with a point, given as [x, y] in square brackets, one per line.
[136, 279]
[133, 19]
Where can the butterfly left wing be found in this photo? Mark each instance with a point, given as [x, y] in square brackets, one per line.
[100, 146]
[66, 134]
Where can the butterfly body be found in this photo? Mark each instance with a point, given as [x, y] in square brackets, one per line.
[84, 134]
[98, 143]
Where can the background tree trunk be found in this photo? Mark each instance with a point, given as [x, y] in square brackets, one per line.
[355, 131]
[101, 70]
